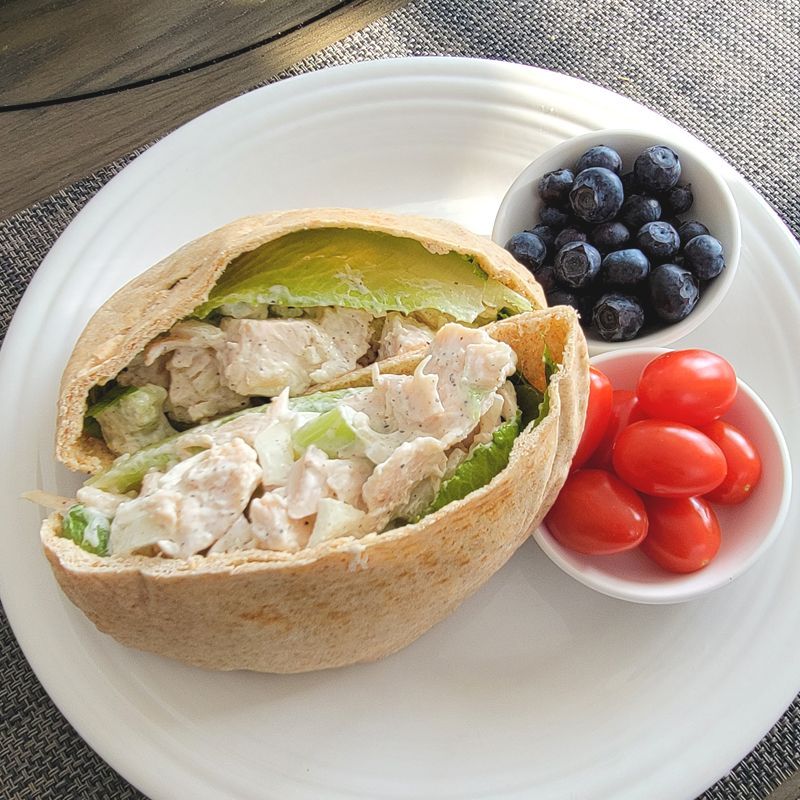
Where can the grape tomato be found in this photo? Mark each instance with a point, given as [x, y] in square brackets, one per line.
[690, 386]
[668, 459]
[597, 514]
[683, 534]
[742, 461]
[624, 410]
[598, 413]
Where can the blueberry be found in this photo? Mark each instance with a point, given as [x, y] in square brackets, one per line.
[569, 235]
[674, 221]
[629, 184]
[703, 256]
[609, 236]
[625, 267]
[553, 217]
[528, 249]
[673, 292]
[554, 187]
[596, 195]
[658, 168]
[688, 230]
[617, 317]
[545, 233]
[564, 297]
[639, 209]
[659, 240]
[600, 156]
[546, 276]
[576, 264]
[678, 199]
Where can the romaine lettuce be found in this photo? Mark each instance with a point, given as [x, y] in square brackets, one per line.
[354, 268]
[88, 528]
[486, 461]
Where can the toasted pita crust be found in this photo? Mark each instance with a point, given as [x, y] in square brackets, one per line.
[173, 288]
[346, 600]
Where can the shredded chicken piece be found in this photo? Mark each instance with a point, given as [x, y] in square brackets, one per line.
[509, 395]
[349, 331]
[151, 482]
[489, 422]
[391, 484]
[345, 479]
[188, 333]
[192, 505]
[272, 526]
[401, 334]
[454, 458]
[137, 373]
[469, 364]
[188, 356]
[261, 357]
[239, 537]
[196, 392]
[307, 484]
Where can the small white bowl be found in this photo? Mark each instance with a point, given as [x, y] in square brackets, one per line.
[748, 529]
[713, 205]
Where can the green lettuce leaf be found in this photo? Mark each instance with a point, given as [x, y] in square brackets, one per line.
[529, 398]
[486, 461]
[103, 397]
[88, 528]
[359, 269]
[533, 403]
[550, 368]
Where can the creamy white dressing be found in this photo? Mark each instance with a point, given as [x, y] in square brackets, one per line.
[105, 502]
[254, 486]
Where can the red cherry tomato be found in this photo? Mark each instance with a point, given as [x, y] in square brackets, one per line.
[598, 412]
[624, 410]
[668, 459]
[596, 513]
[743, 463]
[683, 535]
[689, 386]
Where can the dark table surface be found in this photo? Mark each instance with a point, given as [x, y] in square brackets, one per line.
[83, 83]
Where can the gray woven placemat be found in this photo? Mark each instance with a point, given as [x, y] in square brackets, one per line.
[728, 71]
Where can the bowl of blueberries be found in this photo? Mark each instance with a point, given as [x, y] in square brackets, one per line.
[639, 234]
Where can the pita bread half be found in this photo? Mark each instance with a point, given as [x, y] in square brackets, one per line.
[173, 288]
[345, 600]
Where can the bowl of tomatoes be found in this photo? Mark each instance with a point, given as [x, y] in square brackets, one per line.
[681, 481]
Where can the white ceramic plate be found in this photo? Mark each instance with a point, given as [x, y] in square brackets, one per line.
[537, 686]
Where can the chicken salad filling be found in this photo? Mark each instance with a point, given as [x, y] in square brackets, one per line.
[300, 471]
[296, 312]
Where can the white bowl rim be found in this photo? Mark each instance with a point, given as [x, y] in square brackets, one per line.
[669, 333]
[677, 591]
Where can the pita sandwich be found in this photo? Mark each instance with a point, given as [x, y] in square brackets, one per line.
[333, 524]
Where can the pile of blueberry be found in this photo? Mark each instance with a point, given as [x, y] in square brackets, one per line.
[612, 245]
